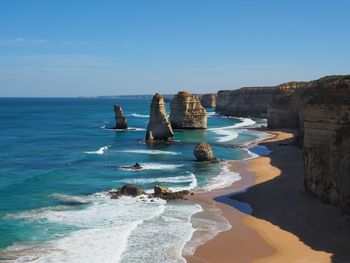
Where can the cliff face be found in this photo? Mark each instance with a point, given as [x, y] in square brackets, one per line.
[208, 100]
[120, 120]
[244, 102]
[187, 112]
[159, 128]
[327, 144]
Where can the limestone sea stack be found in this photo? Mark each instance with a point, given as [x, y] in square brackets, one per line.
[187, 112]
[208, 100]
[204, 153]
[159, 128]
[120, 120]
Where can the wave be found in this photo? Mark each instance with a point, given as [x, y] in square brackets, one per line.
[155, 152]
[225, 179]
[227, 134]
[191, 178]
[71, 199]
[139, 115]
[99, 151]
[155, 166]
[122, 130]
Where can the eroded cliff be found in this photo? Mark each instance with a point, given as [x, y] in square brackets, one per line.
[208, 100]
[327, 143]
[244, 102]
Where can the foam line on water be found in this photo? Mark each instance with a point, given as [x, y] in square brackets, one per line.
[99, 151]
[225, 179]
[139, 115]
[155, 166]
[153, 152]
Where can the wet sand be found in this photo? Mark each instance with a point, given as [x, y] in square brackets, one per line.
[285, 223]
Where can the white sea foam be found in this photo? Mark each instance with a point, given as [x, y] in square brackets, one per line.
[153, 152]
[123, 130]
[211, 114]
[139, 115]
[224, 179]
[155, 166]
[228, 133]
[102, 230]
[99, 151]
[71, 199]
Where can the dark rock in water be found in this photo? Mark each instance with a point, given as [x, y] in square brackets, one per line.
[159, 128]
[136, 166]
[204, 153]
[114, 194]
[131, 190]
[120, 120]
[167, 194]
[187, 112]
[209, 100]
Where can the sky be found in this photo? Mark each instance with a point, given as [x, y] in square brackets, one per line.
[99, 47]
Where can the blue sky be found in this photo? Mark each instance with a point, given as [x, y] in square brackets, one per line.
[89, 48]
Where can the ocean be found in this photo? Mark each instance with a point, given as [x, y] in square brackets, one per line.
[60, 156]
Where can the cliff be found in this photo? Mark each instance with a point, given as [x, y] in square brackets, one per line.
[327, 142]
[187, 112]
[159, 128]
[120, 120]
[208, 100]
[244, 102]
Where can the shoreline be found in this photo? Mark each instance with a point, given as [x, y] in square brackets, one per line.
[254, 238]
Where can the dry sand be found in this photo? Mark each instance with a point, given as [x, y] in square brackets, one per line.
[287, 225]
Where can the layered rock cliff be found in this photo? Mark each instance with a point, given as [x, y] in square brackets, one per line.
[159, 128]
[208, 100]
[120, 120]
[187, 112]
[244, 102]
[327, 142]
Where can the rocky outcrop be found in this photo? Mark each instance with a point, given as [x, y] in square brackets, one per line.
[159, 128]
[136, 166]
[327, 143]
[131, 190]
[208, 100]
[204, 153]
[120, 120]
[244, 102]
[167, 194]
[187, 112]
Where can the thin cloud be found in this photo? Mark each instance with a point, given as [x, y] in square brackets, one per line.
[20, 41]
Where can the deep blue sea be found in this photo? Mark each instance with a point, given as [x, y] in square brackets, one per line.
[58, 158]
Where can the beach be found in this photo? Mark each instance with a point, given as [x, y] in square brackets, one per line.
[273, 219]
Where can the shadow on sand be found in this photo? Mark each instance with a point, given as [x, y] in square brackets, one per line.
[284, 202]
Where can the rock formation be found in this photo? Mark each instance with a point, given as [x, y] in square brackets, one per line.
[131, 190]
[120, 120]
[203, 152]
[327, 143]
[167, 194]
[159, 128]
[187, 112]
[208, 100]
[244, 102]
[136, 166]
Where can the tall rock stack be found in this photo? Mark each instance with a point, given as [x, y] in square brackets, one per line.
[120, 120]
[159, 128]
[208, 100]
[327, 143]
[187, 112]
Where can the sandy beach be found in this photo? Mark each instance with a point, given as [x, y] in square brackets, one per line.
[273, 219]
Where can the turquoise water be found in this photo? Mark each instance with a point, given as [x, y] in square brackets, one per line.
[58, 159]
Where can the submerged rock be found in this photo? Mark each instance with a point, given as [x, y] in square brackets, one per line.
[203, 152]
[209, 100]
[167, 194]
[131, 190]
[136, 166]
[120, 120]
[159, 128]
[114, 194]
[187, 112]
